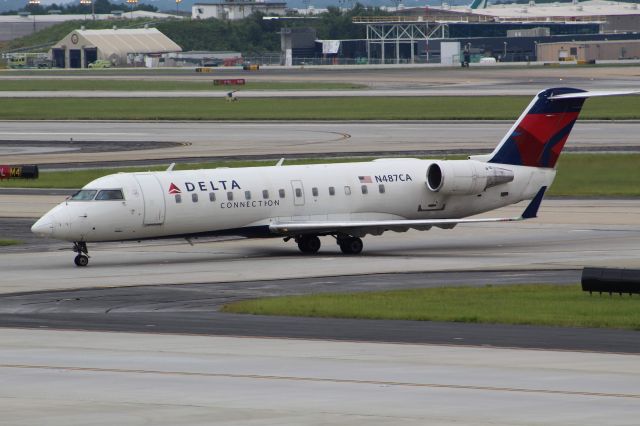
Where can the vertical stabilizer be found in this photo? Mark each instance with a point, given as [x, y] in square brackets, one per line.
[478, 4]
[539, 135]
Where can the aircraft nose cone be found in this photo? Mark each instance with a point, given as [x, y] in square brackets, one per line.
[43, 227]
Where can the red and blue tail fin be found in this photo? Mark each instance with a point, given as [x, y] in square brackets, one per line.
[539, 135]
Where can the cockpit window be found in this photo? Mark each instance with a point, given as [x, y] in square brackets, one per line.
[110, 194]
[84, 195]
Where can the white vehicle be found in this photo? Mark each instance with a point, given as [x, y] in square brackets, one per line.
[345, 201]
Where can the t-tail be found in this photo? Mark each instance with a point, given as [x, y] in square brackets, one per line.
[537, 138]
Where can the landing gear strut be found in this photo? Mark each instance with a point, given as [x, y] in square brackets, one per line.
[308, 244]
[82, 259]
[350, 245]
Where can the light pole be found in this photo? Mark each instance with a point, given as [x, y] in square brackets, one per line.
[34, 3]
[86, 2]
[178, 6]
[132, 2]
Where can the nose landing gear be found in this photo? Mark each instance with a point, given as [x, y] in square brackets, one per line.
[82, 259]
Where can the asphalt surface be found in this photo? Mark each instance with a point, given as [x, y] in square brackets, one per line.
[104, 142]
[440, 80]
[193, 309]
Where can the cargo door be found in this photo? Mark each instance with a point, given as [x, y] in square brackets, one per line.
[153, 197]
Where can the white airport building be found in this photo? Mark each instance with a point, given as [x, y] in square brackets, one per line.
[232, 10]
[142, 46]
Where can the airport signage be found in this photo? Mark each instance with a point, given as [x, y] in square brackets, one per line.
[19, 172]
[229, 82]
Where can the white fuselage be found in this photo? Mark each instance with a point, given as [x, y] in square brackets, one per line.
[244, 201]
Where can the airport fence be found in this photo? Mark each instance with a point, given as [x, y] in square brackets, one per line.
[299, 61]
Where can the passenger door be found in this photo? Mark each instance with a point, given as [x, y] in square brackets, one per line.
[153, 198]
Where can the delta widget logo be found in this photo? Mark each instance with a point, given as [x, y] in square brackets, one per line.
[173, 189]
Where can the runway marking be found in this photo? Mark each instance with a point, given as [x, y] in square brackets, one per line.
[324, 380]
[73, 133]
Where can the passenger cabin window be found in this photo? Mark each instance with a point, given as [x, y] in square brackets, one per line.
[230, 196]
[281, 193]
[365, 190]
[84, 195]
[347, 190]
[247, 195]
[381, 188]
[212, 196]
[298, 192]
[332, 190]
[110, 194]
[178, 198]
[265, 194]
[314, 191]
[194, 198]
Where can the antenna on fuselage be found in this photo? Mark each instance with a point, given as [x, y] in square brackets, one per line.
[171, 166]
[280, 161]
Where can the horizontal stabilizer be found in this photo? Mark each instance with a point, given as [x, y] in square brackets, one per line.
[595, 93]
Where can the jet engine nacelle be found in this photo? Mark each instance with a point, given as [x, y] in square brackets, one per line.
[465, 177]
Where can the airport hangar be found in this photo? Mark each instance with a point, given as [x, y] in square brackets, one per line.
[508, 32]
[143, 46]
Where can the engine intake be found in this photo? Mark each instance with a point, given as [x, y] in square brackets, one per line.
[464, 177]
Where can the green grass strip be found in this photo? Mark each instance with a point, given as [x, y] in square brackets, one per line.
[345, 108]
[163, 85]
[578, 174]
[597, 175]
[79, 178]
[4, 243]
[549, 305]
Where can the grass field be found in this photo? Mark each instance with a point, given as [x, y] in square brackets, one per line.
[578, 174]
[4, 242]
[78, 178]
[346, 108]
[549, 305]
[139, 85]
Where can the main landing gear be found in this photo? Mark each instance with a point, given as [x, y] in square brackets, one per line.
[82, 259]
[350, 245]
[310, 244]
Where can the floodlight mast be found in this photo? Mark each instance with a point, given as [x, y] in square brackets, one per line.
[131, 3]
[34, 3]
[93, 8]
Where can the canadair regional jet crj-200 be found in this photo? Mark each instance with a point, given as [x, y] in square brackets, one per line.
[346, 201]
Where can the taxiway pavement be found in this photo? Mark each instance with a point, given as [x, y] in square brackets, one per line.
[568, 234]
[61, 143]
[76, 378]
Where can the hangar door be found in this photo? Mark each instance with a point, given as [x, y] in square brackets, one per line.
[58, 58]
[90, 55]
[75, 58]
[153, 198]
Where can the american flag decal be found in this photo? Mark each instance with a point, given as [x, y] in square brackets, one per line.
[365, 179]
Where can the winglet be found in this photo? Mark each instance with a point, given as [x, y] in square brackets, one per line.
[532, 209]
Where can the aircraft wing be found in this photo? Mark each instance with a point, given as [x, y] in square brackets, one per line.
[379, 226]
